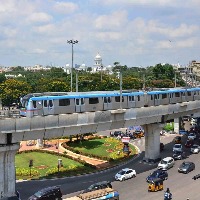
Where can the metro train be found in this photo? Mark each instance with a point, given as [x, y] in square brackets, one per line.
[54, 103]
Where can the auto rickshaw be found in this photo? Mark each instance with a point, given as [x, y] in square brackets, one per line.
[138, 134]
[155, 185]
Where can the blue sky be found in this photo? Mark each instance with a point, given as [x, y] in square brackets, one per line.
[132, 32]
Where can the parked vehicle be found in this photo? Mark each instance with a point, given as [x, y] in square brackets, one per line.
[138, 134]
[97, 186]
[166, 163]
[189, 143]
[195, 148]
[186, 167]
[124, 174]
[177, 147]
[177, 140]
[192, 136]
[118, 133]
[157, 174]
[49, 193]
[179, 155]
[155, 185]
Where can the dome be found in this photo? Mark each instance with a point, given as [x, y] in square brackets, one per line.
[97, 57]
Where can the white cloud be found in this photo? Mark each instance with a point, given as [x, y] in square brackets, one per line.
[114, 20]
[65, 7]
[39, 17]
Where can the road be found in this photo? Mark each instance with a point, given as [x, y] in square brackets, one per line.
[181, 185]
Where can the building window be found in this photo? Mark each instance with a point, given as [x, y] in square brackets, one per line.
[64, 102]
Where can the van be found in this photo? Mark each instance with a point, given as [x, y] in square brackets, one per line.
[49, 193]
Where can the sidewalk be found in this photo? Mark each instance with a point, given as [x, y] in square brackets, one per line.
[53, 146]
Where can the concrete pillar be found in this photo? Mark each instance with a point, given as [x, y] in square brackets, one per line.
[7, 170]
[39, 143]
[152, 142]
[176, 125]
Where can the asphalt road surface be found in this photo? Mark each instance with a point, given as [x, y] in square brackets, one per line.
[182, 186]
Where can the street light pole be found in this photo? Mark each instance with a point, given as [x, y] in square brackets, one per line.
[120, 89]
[76, 80]
[72, 42]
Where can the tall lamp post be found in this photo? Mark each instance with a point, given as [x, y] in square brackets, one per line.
[72, 42]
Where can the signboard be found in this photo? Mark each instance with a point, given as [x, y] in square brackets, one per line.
[126, 139]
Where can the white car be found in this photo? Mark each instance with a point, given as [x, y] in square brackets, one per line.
[192, 136]
[195, 148]
[125, 174]
[178, 147]
[166, 163]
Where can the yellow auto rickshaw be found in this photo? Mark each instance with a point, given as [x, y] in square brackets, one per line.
[155, 185]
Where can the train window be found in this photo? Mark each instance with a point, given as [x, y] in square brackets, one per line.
[131, 98]
[188, 93]
[64, 102]
[82, 101]
[105, 100]
[93, 100]
[117, 99]
[177, 94]
[155, 96]
[164, 96]
[138, 98]
[50, 103]
[109, 100]
[151, 97]
[34, 104]
[45, 103]
[77, 102]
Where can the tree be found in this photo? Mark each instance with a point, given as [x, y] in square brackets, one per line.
[11, 90]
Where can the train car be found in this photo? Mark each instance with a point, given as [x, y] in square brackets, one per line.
[34, 105]
[54, 103]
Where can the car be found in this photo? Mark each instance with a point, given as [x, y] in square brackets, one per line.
[186, 167]
[183, 132]
[98, 185]
[192, 136]
[124, 174]
[189, 143]
[177, 147]
[157, 174]
[179, 155]
[195, 148]
[177, 140]
[52, 192]
[166, 163]
[118, 133]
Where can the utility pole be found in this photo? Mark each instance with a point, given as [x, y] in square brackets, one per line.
[72, 42]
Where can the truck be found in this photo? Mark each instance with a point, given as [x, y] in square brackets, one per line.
[107, 193]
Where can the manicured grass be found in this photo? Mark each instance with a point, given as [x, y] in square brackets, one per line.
[42, 162]
[100, 147]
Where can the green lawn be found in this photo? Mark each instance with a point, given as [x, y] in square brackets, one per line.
[42, 162]
[100, 147]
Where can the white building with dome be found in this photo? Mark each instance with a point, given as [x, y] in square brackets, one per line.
[97, 63]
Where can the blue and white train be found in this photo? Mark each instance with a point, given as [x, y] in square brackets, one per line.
[54, 103]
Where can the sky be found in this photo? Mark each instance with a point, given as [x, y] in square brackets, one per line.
[132, 32]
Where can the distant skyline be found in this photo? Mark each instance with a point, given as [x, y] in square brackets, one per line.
[132, 32]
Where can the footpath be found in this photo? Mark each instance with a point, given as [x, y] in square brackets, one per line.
[55, 145]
